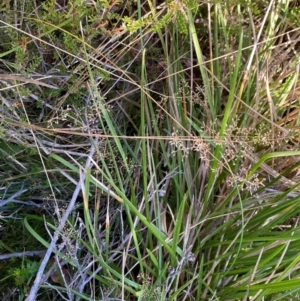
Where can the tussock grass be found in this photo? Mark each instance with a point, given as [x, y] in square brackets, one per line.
[150, 150]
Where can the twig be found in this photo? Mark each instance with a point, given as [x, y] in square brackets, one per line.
[22, 254]
[12, 198]
[25, 80]
[38, 278]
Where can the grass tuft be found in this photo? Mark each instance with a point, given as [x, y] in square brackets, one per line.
[149, 150]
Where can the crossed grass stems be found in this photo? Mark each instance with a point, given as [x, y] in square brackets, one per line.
[178, 144]
[238, 157]
[234, 147]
